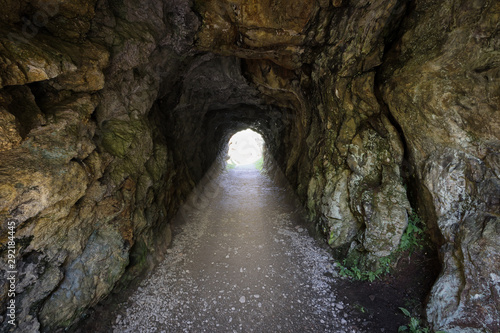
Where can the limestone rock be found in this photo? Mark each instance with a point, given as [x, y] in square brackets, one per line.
[249, 29]
[90, 60]
[66, 20]
[386, 217]
[28, 60]
[38, 280]
[85, 282]
[443, 88]
[72, 193]
[462, 189]
[9, 132]
[376, 192]
[41, 182]
[342, 224]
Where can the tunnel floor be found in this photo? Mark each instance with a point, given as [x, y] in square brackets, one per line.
[243, 261]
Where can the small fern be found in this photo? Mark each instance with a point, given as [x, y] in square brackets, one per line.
[412, 237]
[413, 325]
[356, 273]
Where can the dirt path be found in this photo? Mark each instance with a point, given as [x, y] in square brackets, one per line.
[242, 263]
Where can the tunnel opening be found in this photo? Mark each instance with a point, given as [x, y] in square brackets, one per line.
[245, 148]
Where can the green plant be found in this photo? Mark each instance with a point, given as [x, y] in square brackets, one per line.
[360, 308]
[259, 164]
[411, 240]
[412, 237]
[414, 324]
[356, 273]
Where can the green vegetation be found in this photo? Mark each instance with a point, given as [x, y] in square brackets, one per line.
[356, 273]
[259, 165]
[412, 239]
[414, 325]
[360, 308]
[230, 165]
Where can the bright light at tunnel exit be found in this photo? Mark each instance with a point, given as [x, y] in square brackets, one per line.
[245, 147]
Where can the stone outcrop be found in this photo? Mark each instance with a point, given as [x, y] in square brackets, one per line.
[259, 29]
[112, 111]
[442, 85]
[86, 173]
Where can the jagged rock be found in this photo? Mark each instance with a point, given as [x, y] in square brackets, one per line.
[85, 282]
[256, 29]
[76, 67]
[342, 224]
[30, 60]
[376, 192]
[9, 132]
[464, 192]
[442, 86]
[72, 184]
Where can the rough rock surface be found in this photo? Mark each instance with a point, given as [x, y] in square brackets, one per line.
[442, 85]
[111, 112]
[86, 176]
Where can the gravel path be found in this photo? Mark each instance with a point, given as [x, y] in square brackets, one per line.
[241, 263]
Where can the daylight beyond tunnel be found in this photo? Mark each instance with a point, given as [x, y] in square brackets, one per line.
[245, 147]
[382, 116]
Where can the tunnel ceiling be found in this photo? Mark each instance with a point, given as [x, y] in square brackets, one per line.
[112, 110]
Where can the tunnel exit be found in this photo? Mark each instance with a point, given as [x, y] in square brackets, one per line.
[245, 148]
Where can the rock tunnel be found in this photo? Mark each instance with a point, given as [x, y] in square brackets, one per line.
[111, 112]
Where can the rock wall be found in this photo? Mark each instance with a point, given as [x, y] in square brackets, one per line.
[87, 175]
[441, 81]
[353, 185]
